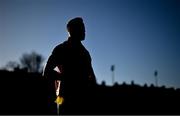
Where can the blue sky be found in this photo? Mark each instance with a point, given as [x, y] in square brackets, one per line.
[137, 36]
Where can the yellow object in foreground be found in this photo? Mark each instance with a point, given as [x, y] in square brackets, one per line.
[59, 100]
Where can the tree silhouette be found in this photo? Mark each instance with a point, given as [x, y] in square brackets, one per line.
[32, 61]
[11, 65]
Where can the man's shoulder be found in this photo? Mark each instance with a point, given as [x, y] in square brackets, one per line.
[60, 47]
[84, 49]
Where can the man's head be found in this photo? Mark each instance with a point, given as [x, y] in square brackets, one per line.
[76, 28]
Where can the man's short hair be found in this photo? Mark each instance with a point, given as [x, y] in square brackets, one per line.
[74, 23]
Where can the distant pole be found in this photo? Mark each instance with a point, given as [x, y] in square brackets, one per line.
[156, 79]
[112, 69]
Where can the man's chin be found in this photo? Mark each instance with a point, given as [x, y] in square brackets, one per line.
[82, 39]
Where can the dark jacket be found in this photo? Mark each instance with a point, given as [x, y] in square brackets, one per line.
[76, 69]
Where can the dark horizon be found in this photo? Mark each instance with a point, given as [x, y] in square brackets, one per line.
[26, 93]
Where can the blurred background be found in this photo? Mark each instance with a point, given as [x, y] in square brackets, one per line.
[138, 37]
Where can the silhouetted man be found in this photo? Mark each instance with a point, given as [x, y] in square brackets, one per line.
[74, 69]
